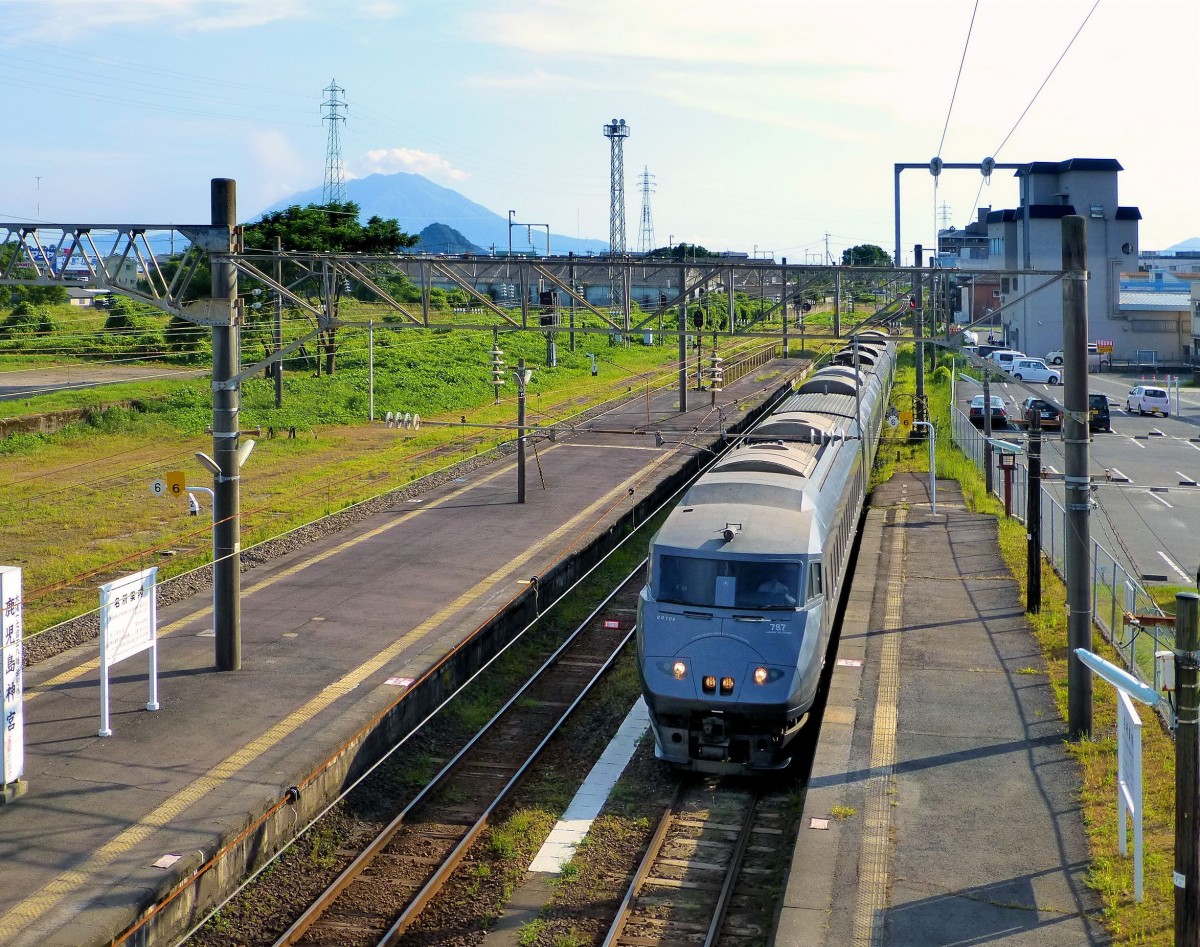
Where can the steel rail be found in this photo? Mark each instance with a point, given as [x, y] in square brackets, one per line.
[434, 884]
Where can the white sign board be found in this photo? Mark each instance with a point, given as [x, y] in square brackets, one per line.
[1129, 781]
[11, 656]
[128, 626]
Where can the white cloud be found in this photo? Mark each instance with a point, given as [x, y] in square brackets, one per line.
[73, 18]
[279, 168]
[390, 160]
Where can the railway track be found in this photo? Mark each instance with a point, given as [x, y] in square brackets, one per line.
[702, 879]
[385, 888]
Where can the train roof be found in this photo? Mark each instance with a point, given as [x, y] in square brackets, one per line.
[798, 426]
[766, 518]
[834, 380]
[838, 403]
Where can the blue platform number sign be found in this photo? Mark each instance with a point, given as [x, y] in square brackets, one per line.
[11, 654]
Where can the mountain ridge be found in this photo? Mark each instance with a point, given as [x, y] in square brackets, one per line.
[416, 202]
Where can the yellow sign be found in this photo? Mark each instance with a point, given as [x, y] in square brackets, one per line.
[176, 482]
[906, 418]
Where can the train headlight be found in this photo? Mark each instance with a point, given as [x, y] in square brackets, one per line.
[727, 685]
[679, 669]
[710, 684]
[760, 675]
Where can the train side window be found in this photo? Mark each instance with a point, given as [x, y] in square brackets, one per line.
[814, 580]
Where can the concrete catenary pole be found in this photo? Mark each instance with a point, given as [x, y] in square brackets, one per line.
[278, 323]
[987, 431]
[1078, 487]
[919, 335]
[683, 315]
[521, 430]
[227, 592]
[1033, 518]
[783, 303]
[1187, 770]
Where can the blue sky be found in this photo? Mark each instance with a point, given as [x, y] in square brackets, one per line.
[767, 124]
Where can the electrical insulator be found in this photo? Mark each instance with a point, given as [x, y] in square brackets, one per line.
[497, 366]
[716, 373]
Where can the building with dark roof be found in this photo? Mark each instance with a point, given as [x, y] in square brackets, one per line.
[1029, 236]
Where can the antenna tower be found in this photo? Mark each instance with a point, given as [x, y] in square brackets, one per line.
[616, 132]
[335, 171]
[646, 234]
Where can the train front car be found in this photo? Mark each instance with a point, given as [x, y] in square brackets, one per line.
[733, 624]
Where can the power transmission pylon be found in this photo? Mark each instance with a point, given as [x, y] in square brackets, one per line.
[944, 215]
[646, 233]
[335, 171]
[616, 132]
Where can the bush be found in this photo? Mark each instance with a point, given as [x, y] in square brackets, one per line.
[27, 319]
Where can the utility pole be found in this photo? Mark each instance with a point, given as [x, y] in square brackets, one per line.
[987, 431]
[1077, 481]
[919, 335]
[1033, 518]
[521, 430]
[1187, 770]
[682, 339]
[278, 323]
[783, 302]
[227, 592]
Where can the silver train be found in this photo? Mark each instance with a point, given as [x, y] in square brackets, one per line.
[735, 620]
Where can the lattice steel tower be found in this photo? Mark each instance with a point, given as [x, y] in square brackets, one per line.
[335, 171]
[616, 132]
[646, 233]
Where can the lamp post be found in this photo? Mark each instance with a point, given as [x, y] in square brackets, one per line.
[510, 227]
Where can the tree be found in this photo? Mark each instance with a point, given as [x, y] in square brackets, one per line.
[326, 228]
[866, 254]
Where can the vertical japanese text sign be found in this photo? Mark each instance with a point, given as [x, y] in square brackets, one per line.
[128, 626]
[11, 655]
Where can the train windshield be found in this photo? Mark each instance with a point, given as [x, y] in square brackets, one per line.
[729, 583]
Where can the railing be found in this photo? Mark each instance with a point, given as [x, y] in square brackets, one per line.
[1116, 595]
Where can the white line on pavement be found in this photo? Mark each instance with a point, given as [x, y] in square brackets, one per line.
[1155, 496]
[1167, 560]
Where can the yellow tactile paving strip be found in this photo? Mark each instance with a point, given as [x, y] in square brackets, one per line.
[872, 901]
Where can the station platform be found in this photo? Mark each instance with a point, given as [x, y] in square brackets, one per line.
[339, 640]
[942, 807]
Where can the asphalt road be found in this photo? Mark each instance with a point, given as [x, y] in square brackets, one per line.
[1148, 504]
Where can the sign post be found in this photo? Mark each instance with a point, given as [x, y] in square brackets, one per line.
[128, 626]
[1129, 781]
[12, 761]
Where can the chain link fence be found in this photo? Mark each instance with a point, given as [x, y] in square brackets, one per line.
[1121, 607]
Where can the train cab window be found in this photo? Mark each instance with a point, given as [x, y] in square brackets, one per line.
[814, 580]
[729, 583]
[685, 580]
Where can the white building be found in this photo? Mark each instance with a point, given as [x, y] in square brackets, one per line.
[1030, 237]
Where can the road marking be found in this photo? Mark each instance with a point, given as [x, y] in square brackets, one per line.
[1050, 468]
[1185, 480]
[1133, 439]
[1116, 476]
[1155, 496]
[17, 920]
[1167, 559]
[871, 906]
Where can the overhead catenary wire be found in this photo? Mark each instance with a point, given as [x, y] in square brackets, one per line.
[1057, 62]
[950, 108]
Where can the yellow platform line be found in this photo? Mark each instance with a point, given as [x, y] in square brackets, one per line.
[21, 915]
[872, 901]
[87, 666]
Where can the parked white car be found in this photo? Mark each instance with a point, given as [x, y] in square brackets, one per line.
[1003, 358]
[1094, 357]
[1034, 369]
[1147, 398]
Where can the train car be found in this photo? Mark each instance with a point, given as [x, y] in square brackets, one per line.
[735, 620]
